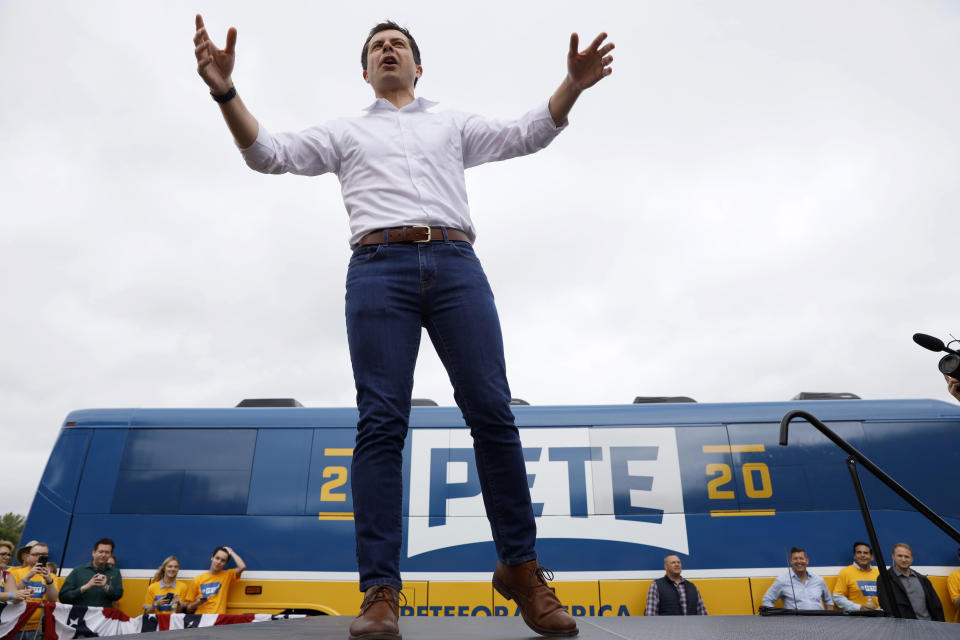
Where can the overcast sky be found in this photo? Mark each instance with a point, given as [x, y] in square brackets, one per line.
[761, 200]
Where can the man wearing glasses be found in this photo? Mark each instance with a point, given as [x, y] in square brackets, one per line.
[35, 575]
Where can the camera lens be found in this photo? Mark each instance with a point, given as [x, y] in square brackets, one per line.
[950, 365]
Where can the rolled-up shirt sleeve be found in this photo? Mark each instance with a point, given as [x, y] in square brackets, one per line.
[488, 140]
[772, 594]
[827, 599]
[310, 152]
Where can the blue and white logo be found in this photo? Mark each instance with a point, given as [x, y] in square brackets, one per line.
[619, 484]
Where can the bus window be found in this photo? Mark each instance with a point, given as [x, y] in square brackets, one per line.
[202, 471]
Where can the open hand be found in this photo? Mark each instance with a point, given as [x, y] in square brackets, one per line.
[214, 65]
[587, 68]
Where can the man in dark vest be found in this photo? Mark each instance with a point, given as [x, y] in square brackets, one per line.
[672, 595]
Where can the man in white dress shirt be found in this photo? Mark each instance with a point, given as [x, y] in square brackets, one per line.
[400, 166]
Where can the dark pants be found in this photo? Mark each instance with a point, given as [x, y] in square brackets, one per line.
[392, 291]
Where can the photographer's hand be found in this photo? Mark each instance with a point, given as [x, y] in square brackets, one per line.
[953, 386]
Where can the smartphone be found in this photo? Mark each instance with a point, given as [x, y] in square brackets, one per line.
[168, 597]
[42, 561]
[99, 572]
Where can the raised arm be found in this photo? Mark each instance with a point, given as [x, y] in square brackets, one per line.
[52, 593]
[215, 67]
[584, 69]
[238, 560]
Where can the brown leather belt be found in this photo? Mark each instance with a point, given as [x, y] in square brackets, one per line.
[412, 234]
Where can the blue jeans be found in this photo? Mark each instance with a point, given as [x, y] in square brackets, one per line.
[392, 291]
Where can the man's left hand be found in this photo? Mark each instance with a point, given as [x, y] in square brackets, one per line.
[587, 68]
[953, 386]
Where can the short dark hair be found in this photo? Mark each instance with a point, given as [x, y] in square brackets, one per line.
[862, 544]
[106, 541]
[794, 550]
[388, 25]
[218, 549]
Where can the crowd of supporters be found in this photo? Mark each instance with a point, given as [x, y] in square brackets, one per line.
[98, 583]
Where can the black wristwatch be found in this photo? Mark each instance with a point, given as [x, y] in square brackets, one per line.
[226, 97]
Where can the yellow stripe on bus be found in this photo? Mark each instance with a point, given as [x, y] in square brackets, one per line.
[329, 451]
[335, 515]
[716, 513]
[732, 448]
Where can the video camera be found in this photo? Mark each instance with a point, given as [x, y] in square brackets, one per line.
[950, 363]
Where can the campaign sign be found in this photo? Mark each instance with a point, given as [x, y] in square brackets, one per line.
[618, 484]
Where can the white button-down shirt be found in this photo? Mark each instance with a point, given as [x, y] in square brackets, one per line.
[401, 167]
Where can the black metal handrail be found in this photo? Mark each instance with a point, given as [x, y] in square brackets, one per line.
[854, 457]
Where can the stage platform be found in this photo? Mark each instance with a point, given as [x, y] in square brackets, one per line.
[597, 628]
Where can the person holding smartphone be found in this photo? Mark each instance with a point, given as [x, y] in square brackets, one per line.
[165, 594]
[94, 584]
[35, 575]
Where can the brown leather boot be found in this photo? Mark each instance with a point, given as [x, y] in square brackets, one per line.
[379, 615]
[541, 610]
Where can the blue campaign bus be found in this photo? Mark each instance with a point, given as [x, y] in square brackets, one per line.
[615, 488]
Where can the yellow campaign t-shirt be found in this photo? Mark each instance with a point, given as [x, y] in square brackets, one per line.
[157, 590]
[953, 588]
[857, 585]
[39, 588]
[215, 588]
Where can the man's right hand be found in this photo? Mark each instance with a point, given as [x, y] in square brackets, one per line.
[214, 65]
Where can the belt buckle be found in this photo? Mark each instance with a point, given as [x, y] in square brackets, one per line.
[423, 226]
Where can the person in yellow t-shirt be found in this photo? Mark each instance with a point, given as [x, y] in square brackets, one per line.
[856, 585]
[165, 594]
[953, 588]
[35, 575]
[208, 591]
[9, 591]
